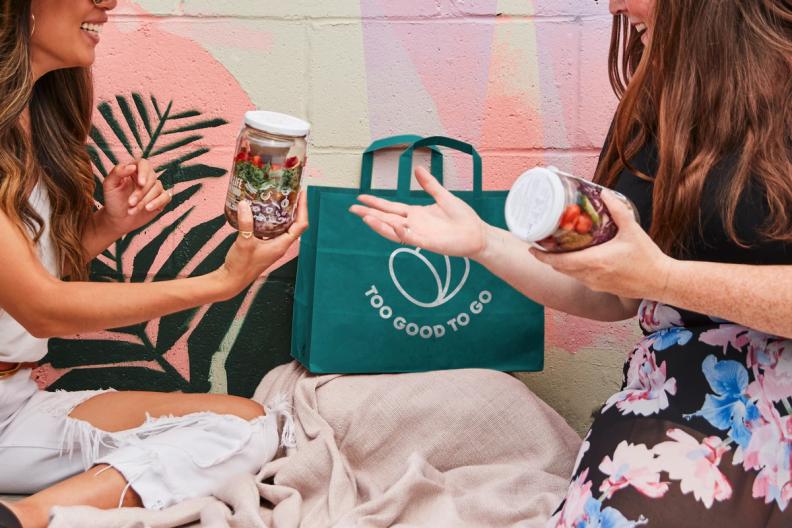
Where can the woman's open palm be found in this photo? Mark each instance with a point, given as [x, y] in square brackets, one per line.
[449, 226]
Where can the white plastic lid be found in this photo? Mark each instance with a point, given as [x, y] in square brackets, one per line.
[275, 123]
[535, 204]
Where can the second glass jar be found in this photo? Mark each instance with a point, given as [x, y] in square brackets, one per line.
[558, 212]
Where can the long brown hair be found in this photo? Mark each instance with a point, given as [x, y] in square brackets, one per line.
[714, 83]
[60, 105]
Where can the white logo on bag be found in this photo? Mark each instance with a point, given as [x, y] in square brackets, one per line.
[442, 286]
[439, 329]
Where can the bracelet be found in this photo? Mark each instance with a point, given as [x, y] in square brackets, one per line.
[9, 373]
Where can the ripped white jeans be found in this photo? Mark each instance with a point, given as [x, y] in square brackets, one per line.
[166, 460]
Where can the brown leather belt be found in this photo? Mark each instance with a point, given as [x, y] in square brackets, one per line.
[9, 369]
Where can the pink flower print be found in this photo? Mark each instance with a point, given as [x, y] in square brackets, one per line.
[763, 350]
[770, 452]
[584, 447]
[647, 388]
[632, 465]
[582, 510]
[695, 465]
[774, 381]
[574, 511]
[726, 335]
[654, 316]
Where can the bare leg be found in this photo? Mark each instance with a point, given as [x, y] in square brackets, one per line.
[118, 411]
[92, 488]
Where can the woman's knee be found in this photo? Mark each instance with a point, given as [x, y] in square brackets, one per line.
[117, 411]
[238, 406]
[184, 404]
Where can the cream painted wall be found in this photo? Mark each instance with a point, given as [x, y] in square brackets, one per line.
[523, 80]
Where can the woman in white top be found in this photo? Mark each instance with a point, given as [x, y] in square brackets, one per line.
[145, 449]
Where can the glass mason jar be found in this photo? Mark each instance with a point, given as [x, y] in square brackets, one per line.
[558, 212]
[268, 166]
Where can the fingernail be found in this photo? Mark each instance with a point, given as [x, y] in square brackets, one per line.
[133, 201]
[149, 207]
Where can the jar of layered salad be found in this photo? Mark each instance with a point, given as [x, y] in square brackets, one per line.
[269, 161]
[558, 212]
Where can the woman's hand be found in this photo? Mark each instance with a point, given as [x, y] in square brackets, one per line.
[630, 265]
[448, 227]
[250, 257]
[133, 197]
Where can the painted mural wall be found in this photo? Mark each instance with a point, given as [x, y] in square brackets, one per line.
[523, 80]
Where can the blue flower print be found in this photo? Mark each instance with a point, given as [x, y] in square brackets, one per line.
[730, 409]
[596, 517]
[668, 337]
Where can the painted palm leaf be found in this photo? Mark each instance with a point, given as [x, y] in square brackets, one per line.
[144, 127]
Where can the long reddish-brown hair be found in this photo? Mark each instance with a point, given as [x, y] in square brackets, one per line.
[714, 82]
[60, 105]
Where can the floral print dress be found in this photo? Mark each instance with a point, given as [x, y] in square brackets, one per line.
[700, 433]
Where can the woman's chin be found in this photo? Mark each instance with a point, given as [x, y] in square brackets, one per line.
[86, 59]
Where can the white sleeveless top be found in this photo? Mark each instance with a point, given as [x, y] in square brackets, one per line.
[16, 343]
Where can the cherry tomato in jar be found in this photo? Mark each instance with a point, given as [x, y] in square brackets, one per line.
[571, 214]
[583, 224]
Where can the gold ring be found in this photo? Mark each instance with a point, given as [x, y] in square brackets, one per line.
[246, 234]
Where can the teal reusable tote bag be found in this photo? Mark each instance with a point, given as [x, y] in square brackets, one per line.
[366, 305]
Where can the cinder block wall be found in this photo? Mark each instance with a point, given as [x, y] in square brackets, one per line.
[525, 81]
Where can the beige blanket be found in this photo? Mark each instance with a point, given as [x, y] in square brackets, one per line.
[466, 448]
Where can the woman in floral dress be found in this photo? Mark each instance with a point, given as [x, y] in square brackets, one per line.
[701, 432]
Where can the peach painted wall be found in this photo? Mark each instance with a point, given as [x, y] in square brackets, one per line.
[523, 80]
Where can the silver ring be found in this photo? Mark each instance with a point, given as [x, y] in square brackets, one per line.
[170, 193]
